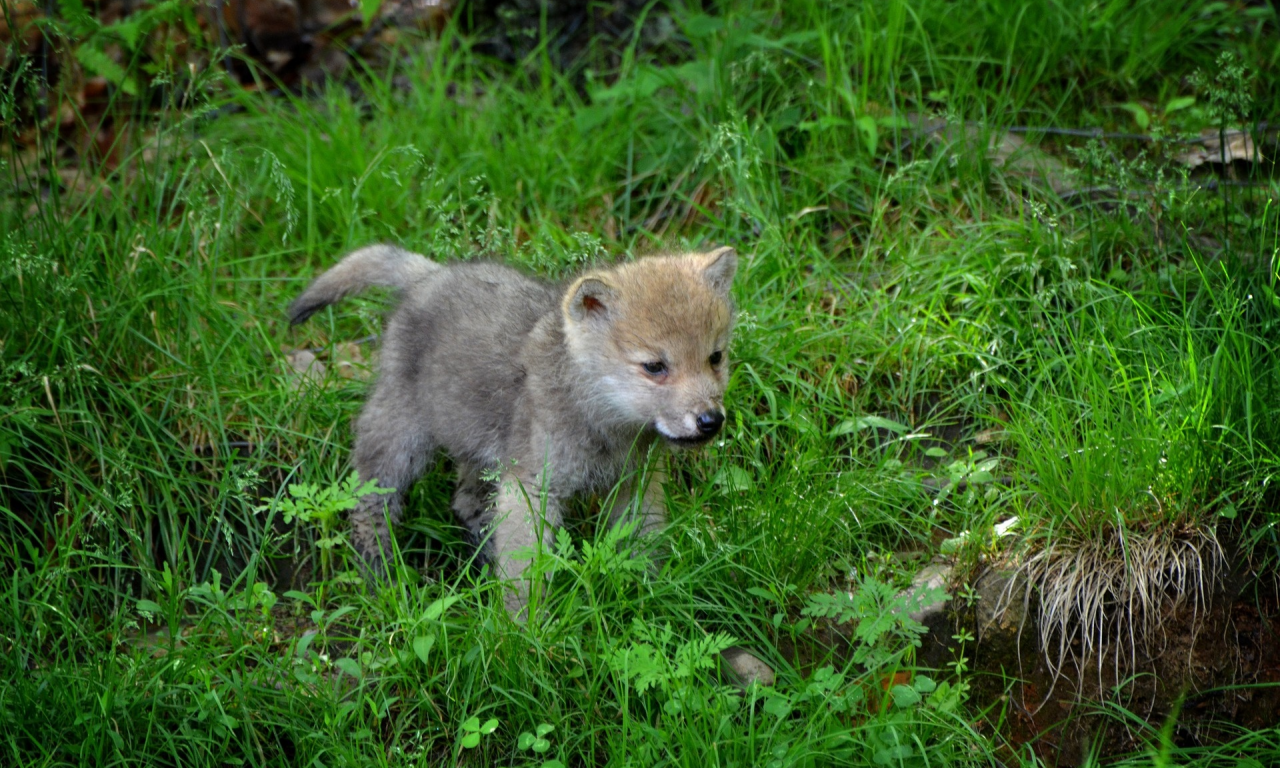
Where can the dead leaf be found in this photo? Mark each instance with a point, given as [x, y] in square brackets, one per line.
[800, 214]
[424, 14]
[271, 31]
[349, 361]
[22, 13]
[988, 436]
[319, 14]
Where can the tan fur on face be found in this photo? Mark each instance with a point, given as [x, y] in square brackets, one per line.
[673, 309]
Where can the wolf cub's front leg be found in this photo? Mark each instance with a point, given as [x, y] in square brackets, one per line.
[650, 510]
[523, 518]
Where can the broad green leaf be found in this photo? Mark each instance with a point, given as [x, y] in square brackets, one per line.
[701, 25]
[422, 646]
[369, 10]
[880, 422]
[826, 122]
[870, 133]
[437, 608]
[778, 706]
[150, 606]
[904, 696]
[343, 611]
[1140, 114]
[759, 41]
[734, 479]
[304, 642]
[893, 755]
[869, 423]
[350, 666]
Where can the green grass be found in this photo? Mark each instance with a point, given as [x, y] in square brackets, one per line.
[908, 310]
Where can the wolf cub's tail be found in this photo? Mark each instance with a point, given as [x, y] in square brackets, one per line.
[382, 265]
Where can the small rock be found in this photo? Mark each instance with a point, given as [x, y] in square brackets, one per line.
[304, 369]
[744, 668]
[1001, 604]
[929, 592]
[929, 605]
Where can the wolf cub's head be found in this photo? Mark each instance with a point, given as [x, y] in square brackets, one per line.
[652, 336]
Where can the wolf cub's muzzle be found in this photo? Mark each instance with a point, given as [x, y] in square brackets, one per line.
[708, 424]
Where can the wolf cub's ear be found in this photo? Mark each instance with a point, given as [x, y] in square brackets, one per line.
[719, 268]
[588, 298]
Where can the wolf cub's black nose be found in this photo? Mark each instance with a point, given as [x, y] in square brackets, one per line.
[709, 423]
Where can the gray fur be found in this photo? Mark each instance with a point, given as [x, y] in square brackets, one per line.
[381, 265]
[540, 384]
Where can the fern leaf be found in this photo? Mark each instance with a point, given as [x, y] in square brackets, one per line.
[98, 62]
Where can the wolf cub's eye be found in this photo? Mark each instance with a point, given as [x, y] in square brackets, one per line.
[656, 368]
[716, 357]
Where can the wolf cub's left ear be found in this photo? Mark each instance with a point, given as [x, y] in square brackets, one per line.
[719, 267]
[588, 298]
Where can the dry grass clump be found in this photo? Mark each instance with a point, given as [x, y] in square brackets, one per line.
[1105, 601]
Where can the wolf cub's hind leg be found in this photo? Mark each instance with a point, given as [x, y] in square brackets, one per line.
[370, 535]
[473, 504]
[394, 451]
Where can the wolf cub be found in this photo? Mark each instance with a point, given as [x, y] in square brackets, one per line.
[551, 389]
